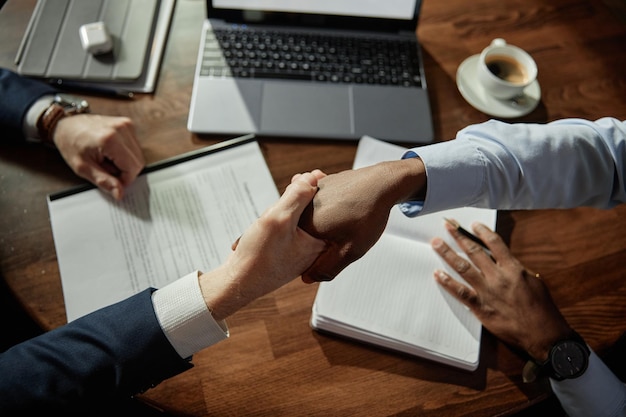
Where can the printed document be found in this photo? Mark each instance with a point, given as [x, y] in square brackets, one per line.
[172, 221]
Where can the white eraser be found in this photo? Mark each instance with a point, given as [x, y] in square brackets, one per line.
[95, 38]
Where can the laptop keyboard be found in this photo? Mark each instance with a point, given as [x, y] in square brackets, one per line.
[311, 57]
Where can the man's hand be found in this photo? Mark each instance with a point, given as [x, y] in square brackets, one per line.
[101, 149]
[351, 209]
[271, 252]
[511, 302]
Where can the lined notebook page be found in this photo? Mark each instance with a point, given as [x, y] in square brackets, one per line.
[389, 297]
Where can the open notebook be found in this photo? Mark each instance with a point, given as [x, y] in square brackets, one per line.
[389, 297]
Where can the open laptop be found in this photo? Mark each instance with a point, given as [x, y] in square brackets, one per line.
[318, 80]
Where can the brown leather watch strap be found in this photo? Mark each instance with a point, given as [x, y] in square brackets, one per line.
[48, 121]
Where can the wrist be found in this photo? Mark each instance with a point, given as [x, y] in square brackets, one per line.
[61, 106]
[221, 294]
[540, 350]
[408, 180]
[566, 358]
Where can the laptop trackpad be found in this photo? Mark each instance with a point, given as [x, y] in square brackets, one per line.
[310, 109]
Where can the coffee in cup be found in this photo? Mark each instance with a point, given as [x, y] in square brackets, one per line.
[507, 68]
[504, 70]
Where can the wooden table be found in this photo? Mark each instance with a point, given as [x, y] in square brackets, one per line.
[274, 364]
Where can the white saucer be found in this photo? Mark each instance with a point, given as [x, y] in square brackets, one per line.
[472, 91]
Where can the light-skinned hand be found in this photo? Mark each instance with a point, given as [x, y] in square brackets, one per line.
[101, 149]
[271, 252]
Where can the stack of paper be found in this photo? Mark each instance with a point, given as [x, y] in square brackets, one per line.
[179, 216]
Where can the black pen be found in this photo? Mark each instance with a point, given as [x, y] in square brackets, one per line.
[91, 89]
[465, 233]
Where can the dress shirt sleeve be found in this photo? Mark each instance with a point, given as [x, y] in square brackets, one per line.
[563, 164]
[29, 125]
[185, 318]
[597, 392]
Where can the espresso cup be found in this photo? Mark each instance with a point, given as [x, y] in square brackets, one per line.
[504, 70]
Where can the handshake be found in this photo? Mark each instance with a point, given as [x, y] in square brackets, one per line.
[347, 213]
[320, 225]
[350, 210]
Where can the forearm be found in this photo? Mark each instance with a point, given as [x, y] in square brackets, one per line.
[568, 163]
[114, 352]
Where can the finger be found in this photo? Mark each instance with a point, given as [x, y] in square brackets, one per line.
[476, 252]
[235, 243]
[127, 162]
[129, 133]
[306, 280]
[325, 268]
[461, 292]
[461, 265]
[125, 153]
[310, 244]
[329, 264]
[110, 167]
[319, 174]
[105, 181]
[124, 128]
[494, 241]
[297, 196]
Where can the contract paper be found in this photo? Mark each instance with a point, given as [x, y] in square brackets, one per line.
[172, 221]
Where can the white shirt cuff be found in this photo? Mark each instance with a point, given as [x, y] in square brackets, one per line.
[29, 126]
[185, 318]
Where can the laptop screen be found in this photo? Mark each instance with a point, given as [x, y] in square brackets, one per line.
[388, 9]
[372, 15]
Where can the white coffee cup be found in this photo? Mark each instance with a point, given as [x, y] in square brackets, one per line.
[504, 70]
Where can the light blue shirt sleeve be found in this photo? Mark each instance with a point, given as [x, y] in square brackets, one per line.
[563, 164]
[597, 392]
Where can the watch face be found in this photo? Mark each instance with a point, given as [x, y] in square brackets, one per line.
[72, 104]
[569, 359]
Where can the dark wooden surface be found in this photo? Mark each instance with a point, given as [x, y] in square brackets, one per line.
[274, 364]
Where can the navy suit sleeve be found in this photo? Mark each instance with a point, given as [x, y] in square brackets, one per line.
[110, 354]
[17, 94]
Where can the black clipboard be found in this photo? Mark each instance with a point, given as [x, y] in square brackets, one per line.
[188, 156]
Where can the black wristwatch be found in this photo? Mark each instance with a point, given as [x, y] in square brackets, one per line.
[568, 359]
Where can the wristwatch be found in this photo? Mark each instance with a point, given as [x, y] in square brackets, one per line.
[62, 105]
[568, 359]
